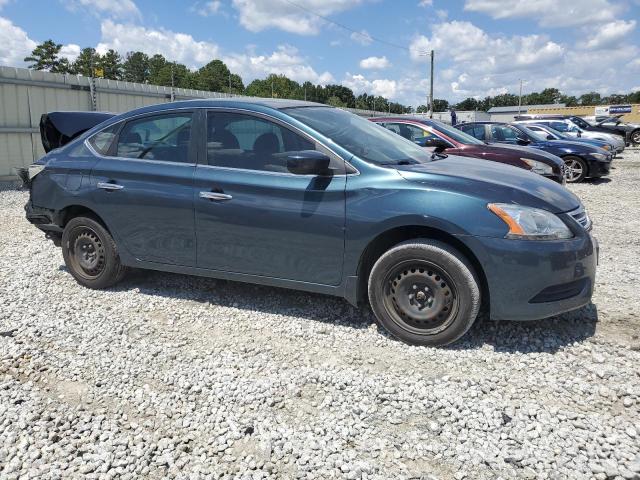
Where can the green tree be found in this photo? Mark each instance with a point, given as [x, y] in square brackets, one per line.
[591, 98]
[277, 86]
[45, 57]
[336, 102]
[182, 76]
[111, 65]
[136, 67]
[214, 77]
[85, 63]
[345, 95]
[469, 103]
[440, 105]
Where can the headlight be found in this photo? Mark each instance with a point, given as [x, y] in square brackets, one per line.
[528, 223]
[606, 147]
[538, 167]
[599, 156]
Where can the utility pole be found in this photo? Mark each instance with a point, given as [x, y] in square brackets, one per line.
[520, 97]
[229, 83]
[431, 89]
[272, 88]
[173, 93]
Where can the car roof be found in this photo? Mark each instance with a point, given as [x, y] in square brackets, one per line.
[233, 102]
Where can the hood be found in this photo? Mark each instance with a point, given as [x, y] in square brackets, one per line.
[526, 152]
[570, 145]
[495, 182]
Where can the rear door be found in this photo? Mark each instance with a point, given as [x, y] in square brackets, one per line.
[253, 216]
[143, 187]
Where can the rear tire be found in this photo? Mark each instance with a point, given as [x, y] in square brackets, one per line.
[635, 137]
[424, 292]
[91, 254]
[576, 169]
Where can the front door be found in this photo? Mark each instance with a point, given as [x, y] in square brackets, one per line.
[253, 216]
[143, 188]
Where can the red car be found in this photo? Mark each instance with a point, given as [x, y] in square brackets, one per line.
[440, 137]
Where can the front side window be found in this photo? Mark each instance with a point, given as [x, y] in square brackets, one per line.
[237, 140]
[363, 138]
[503, 133]
[160, 137]
[560, 126]
[101, 141]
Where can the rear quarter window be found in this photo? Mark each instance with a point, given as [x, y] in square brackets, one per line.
[101, 142]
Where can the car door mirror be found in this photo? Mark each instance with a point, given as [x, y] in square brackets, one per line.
[550, 137]
[432, 142]
[308, 162]
[523, 141]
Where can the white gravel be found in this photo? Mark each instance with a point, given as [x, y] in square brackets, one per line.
[183, 377]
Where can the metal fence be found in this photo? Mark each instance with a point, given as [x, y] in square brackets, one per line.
[26, 94]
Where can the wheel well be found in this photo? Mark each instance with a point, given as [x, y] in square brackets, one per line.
[73, 211]
[390, 238]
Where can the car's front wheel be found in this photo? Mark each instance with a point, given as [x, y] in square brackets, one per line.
[424, 292]
[90, 253]
[575, 169]
[635, 137]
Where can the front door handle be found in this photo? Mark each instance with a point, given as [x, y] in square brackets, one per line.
[109, 186]
[219, 197]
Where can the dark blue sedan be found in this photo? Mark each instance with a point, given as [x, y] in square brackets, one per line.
[581, 160]
[309, 197]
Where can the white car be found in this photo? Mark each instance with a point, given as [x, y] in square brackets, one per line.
[569, 127]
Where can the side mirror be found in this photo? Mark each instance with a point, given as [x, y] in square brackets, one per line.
[308, 162]
[433, 142]
[523, 141]
[550, 137]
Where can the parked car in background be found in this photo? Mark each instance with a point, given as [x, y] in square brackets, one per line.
[310, 197]
[581, 161]
[553, 134]
[586, 129]
[614, 123]
[440, 137]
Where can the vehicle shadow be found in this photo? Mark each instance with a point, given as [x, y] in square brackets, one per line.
[598, 180]
[539, 336]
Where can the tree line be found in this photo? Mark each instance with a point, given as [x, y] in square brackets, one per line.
[545, 97]
[215, 76]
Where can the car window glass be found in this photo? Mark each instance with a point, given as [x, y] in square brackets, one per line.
[101, 141]
[161, 137]
[236, 140]
[411, 132]
[478, 132]
[503, 133]
[394, 127]
[560, 126]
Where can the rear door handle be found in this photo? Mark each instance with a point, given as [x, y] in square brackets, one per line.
[219, 197]
[109, 186]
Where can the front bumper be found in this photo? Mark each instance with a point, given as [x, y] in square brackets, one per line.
[531, 280]
[599, 168]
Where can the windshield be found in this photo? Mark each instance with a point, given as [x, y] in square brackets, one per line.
[457, 135]
[534, 135]
[547, 130]
[580, 122]
[363, 138]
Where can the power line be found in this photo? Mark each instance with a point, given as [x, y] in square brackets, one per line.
[344, 27]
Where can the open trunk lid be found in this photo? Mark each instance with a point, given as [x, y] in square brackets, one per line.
[59, 128]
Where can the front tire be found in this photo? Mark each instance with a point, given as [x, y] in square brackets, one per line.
[91, 254]
[575, 169]
[635, 137]
[424, 292]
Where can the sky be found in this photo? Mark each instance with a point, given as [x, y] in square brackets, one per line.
[482, 47]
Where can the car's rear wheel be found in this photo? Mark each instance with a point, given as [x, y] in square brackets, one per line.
[424, 292]
[635, 137]
[575, 169]
[90, 253]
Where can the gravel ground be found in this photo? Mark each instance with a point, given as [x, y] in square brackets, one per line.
[183, 377]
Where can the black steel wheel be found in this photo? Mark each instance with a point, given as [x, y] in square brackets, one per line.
[90, 253]
[424, 292]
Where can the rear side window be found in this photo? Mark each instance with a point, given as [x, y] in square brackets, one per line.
[237, 140]
[502, 132]
[476, 131]
[560, 126]
[161, 137]
[101, 141]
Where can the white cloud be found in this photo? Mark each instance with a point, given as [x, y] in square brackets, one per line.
[180, 47]
[286, 60]
[70, 52]
[610, 34]
[375, 63]
[548, 13]
[384, 87]
[15, 44]
[258, 15]
[115, 8]
[3, 3]
[425, 3]
[442, 14]
[362, 37]
[209, 8]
